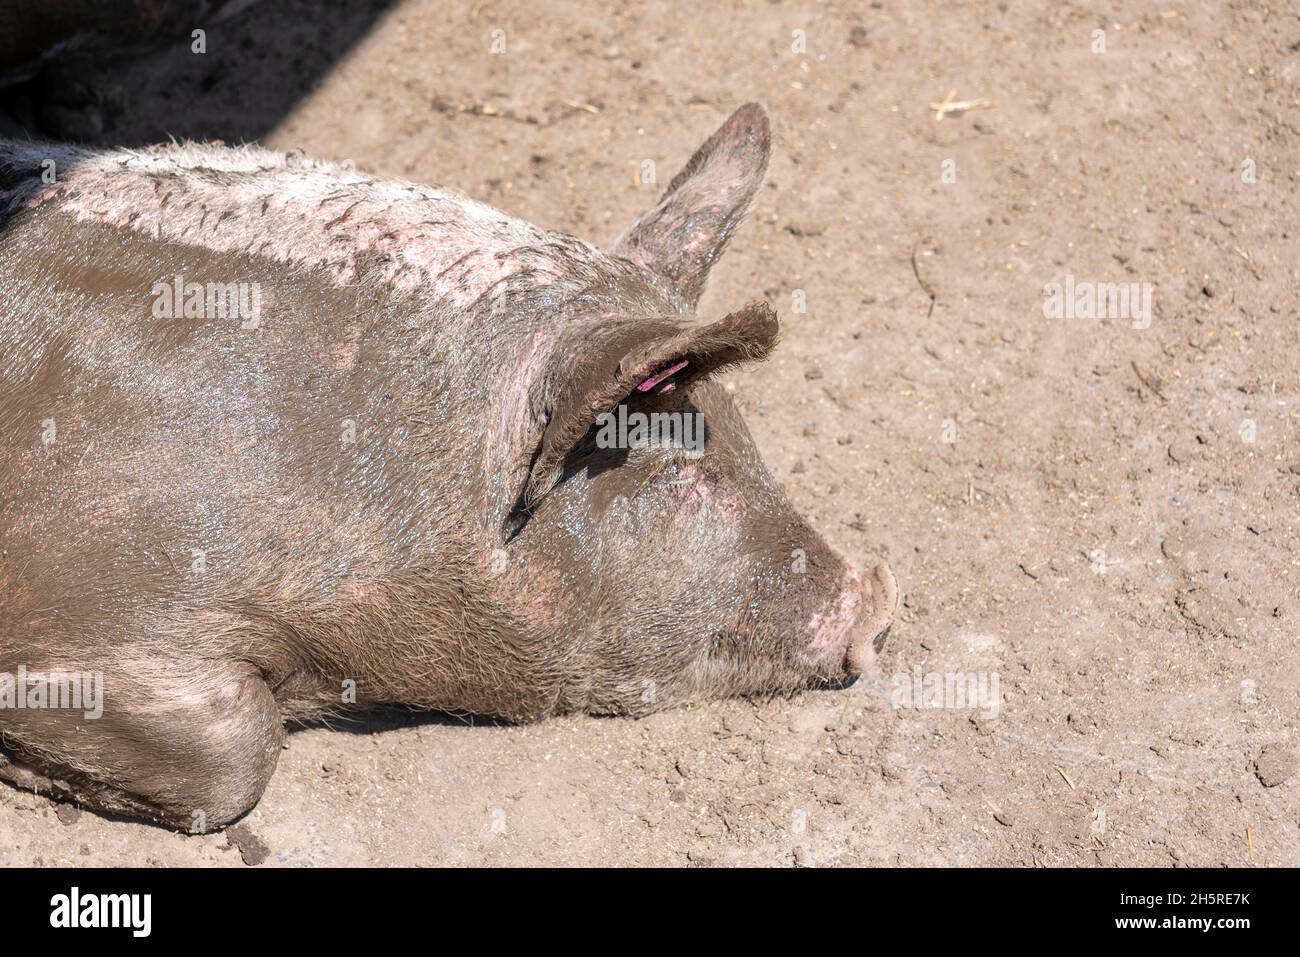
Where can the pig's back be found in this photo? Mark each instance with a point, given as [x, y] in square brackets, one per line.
[301, 213]
[276, 449]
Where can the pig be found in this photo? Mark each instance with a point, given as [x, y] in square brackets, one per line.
[282, 439]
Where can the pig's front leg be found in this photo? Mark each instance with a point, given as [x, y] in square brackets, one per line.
[187, 745]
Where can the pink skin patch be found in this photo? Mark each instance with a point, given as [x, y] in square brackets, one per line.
[690, 487]
[647, 384]
[829, 628]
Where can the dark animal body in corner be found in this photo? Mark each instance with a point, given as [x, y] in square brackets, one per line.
[35, 32]
[61, 60]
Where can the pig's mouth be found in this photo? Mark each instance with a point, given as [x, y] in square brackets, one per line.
[841, 683]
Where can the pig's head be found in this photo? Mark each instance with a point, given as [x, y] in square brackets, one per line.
[649, 553]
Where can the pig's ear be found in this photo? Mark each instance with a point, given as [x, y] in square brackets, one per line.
[684, 234]
[605, 364]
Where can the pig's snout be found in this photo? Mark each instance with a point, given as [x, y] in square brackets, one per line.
[854, 625]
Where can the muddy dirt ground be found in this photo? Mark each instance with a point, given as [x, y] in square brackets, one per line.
[1099, 511]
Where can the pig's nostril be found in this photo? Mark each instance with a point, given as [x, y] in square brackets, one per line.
[878, 643]
[848, 632]
[870, 634]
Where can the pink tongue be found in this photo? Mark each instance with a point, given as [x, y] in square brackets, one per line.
[648, 384]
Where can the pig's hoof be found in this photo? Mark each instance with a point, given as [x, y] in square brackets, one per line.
[189, 749]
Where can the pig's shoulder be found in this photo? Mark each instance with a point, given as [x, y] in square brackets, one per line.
[300, 212]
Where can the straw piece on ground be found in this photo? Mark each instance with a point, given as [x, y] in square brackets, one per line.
[952, 105]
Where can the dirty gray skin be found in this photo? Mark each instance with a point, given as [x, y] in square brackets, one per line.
[386, 479]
